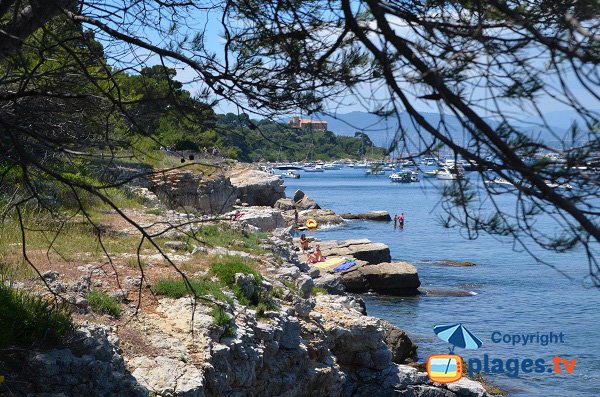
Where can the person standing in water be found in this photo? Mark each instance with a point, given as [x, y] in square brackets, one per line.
[395, 220]
[401, 220]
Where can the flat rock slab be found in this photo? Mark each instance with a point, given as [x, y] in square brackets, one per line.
[382, 216]
[362, 249]
[397, 278]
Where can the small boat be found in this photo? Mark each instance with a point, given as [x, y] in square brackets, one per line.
[293, 174]
[403, 177]
[414, 176]
[311, 224]
[556, 185]
[288, 166]
[375, 172]
[332, 166]
[449, 174]
[362, 164]
[314, 168]
[430, 174]
[498, 181]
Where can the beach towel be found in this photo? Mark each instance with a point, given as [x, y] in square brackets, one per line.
[344, 266]
[330, 262]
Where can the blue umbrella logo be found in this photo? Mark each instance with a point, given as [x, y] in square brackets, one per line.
[458, 336]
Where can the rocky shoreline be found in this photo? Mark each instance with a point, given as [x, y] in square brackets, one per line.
[309, 344]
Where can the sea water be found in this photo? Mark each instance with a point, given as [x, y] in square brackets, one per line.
[508, 291]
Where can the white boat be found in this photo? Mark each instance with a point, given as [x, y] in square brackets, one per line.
[556, 185]
[374, 172]
[498, 181]
[288, 166]
[401, 176]
[430, 174]
[293, 174]
[362, 164]
[332, 166]
[314, 168]
[449, 174]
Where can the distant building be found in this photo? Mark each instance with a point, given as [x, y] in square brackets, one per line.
[307, 124]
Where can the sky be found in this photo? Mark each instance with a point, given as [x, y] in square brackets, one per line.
[214, 42]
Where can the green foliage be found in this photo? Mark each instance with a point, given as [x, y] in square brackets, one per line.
[222, 319]
[285, 143]
[177, 288]
[224, 236]
[227, 267]
[319, 291]
[28, 320]
[101, 303]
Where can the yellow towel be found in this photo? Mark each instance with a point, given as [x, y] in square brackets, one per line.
[330, 262]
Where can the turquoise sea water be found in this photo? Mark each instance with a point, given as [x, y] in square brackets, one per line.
[511, 293]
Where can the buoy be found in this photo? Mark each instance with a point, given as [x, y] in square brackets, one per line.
[311, 224]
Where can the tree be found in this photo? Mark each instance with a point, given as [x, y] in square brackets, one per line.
[479, 62]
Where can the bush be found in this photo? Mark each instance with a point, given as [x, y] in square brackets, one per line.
[30, 320]
[226, 269]
[222, 319]
[177, 288]
[103, 304]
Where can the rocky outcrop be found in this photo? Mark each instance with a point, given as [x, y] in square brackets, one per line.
[178, 189]
[362, 249]
[257, 187]
[383, 216]
[91, 365]
[265, 219]
[402, 348]
[322, 346]
[285, 204]
[398, 278]
[303, 202]
[323, 217]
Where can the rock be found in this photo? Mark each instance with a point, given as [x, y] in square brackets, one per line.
[176, 245]
[50, 276]
[134, 281]
[383, 216]
[362, 249]
[445, 291]
[303, 202]
[314, 272]
[169, 377]
[91, 366]
[399, 278]
[305, 284]
[184, 188]
[323, 217]
[285, 204]
[303, 307]
[264, 218]
[402, 348]
[246, 283]
[467, 387]
[257, 187]
[332, 283]
[121, 295]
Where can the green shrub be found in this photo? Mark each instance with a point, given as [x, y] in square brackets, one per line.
[30, 320]
[101, 303]
[319, 291]
[222, 319]
[226, 269]
[177, 288]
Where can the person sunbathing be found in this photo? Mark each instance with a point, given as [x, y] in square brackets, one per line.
[316, 256]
